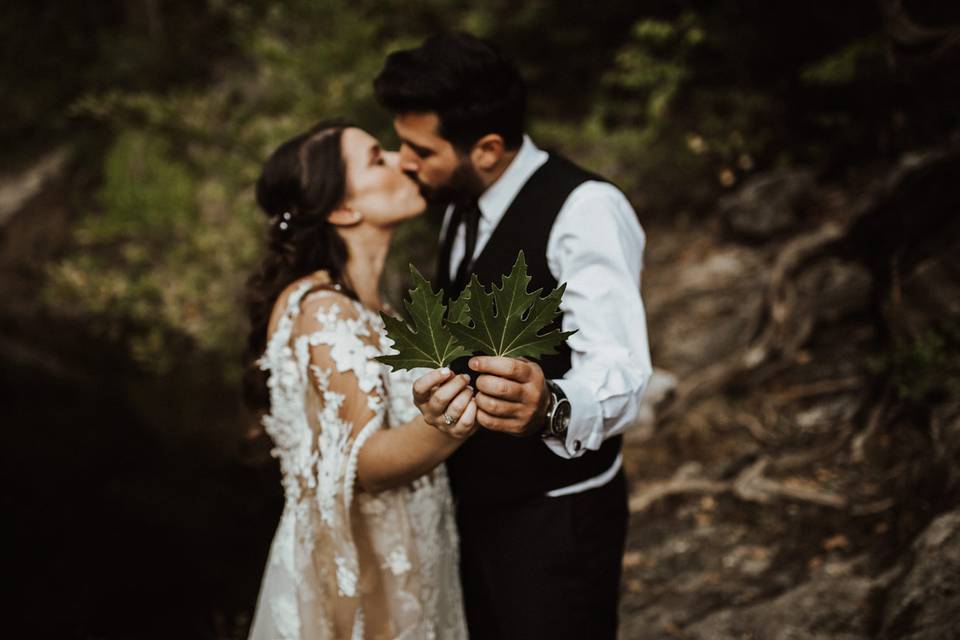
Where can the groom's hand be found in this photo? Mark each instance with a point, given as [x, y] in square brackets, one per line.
[511, 395]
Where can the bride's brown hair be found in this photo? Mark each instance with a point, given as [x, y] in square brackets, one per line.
[301, 183]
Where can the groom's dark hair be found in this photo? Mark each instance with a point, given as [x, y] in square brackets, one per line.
[469, 83]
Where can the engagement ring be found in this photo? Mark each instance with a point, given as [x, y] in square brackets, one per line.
[448, 420]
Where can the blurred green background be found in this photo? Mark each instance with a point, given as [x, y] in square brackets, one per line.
[169, 108]
[132, 133]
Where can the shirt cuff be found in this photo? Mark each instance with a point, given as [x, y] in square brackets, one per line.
[585, 431]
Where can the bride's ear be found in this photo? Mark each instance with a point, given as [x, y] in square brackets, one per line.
[344, 217]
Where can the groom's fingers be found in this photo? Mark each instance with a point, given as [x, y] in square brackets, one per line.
[509, 394]
[498, 408]
[503, 425]
[510, 368]
[500, 388]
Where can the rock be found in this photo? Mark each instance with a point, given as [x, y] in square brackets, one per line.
[933, 289]
[751, 560]
[835, 288]
[946, 439]
[768, 204]
[716, 567]
[925, 602]
[723, 286]
[931, 293]
[833, 605]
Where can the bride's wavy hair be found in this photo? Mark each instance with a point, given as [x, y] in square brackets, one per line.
[301, 183]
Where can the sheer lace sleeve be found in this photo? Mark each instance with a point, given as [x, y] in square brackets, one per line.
[344, 563]
[344, 398]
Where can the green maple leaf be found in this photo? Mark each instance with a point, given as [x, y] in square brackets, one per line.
[429, 343]
[507, 321]
[459, 310]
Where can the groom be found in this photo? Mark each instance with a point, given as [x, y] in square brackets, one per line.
[541, 497]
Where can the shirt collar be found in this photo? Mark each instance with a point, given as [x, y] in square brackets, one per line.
[496, 199]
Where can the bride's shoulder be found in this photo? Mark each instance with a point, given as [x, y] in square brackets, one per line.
[313, 295]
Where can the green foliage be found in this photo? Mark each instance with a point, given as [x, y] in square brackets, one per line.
[165, 250]
[926, 366]
[54, 53]
[655, 64]
[674, 104]
[844, 66]
[429, 343]
[504, 321]
[175, 232]
[459, 310]
[667, 133]
[146, 188]
[507, 320]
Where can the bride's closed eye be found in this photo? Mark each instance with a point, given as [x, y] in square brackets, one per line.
[376, 156]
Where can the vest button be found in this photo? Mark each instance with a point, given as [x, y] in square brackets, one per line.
[576, 445]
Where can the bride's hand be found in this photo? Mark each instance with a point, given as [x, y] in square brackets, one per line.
[446, 402]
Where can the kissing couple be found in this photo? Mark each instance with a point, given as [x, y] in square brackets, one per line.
[416, 505]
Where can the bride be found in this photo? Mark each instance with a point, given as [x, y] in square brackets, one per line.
[366, 546]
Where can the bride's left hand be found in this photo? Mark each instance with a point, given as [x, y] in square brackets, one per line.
[446, 402]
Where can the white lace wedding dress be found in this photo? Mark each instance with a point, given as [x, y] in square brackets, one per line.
[344, 563]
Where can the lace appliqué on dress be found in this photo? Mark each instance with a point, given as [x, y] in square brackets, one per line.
[335, 551]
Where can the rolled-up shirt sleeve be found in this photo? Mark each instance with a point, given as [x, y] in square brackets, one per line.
[596, 247]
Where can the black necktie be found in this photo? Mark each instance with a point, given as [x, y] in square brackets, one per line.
[471, 218]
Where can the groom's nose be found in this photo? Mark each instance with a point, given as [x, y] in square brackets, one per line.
[408, 159]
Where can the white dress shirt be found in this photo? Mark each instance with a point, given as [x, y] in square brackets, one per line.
[596, 247]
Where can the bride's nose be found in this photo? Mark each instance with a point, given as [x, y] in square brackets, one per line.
[392, 158]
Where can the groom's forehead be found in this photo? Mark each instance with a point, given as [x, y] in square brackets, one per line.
[418, 127]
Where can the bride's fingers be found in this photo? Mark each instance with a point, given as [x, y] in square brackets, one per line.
[457, 406]
[426, 382]
[427, 400]
[467, 423]
[442, 395]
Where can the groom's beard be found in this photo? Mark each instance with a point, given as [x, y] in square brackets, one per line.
[464, 183]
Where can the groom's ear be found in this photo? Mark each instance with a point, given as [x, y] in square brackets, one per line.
[487, 152]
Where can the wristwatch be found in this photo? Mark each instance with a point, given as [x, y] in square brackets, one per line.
[558, 413]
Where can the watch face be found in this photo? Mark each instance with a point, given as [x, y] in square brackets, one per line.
[561, 415]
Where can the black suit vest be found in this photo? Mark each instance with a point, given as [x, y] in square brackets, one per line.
[495, 468]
